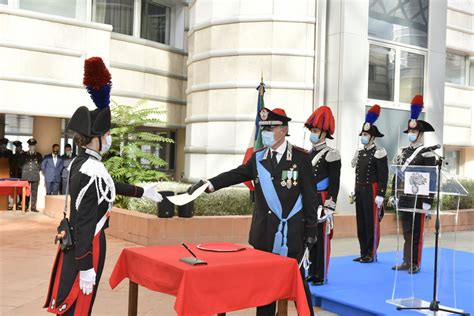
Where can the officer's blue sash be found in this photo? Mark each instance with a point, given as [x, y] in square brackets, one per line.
[280, 242]
[323, 184]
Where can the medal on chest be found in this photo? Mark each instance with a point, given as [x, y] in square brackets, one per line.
[289, 178]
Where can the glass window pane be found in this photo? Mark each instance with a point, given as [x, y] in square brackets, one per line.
[155, 22]
[411, 75]
[3, 1]
[381, 73]
[118, 13]
[400, 21]
[452, 161]
[75, 9]
[455, 68]
[471, 73]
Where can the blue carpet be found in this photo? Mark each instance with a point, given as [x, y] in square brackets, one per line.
[362, 289]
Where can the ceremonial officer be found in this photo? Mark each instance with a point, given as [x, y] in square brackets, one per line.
[413, 155]
[284, 218]
[326, 164]
[15, 161]
[4, 151]
[30, 171]
[371, 166]
[77, 271]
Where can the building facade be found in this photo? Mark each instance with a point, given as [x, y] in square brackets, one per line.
[202, 60]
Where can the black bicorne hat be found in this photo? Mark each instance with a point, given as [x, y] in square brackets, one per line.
[370, 118]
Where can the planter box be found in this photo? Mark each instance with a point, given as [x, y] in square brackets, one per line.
[149, 230]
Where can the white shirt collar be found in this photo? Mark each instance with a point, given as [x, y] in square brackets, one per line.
[280, 149]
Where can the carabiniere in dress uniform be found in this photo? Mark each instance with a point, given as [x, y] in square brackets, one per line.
[371, 167]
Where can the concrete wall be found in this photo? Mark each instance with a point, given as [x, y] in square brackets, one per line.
[231, 44]
[41, 69]
[41, 61]
[144, 69]
[459, 99]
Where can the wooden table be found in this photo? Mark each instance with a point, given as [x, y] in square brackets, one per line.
[230, 281]
[10, 187]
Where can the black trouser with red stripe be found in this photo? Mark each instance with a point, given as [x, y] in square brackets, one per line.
[368, 225]
[100, 268]
[64, 295]
[413, 236]
[321, 251]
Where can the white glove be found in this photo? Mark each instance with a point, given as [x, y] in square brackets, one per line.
[379, 201]
[426, 207]
[149, 192]
[87, 281]
[330, 204]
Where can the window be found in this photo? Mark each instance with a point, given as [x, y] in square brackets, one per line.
[411, 75]
[452, 161]
[381, 73]
[455, 68]
[471, 71]
[3, 1]
[155, 22]
[395, 74]
[75, 9]
[118, 13]
[400, 21]
[165, 151]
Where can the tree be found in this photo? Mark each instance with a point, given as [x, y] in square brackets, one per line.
[126, 161]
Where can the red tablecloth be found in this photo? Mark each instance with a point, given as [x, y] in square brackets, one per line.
[6, 187]
[230, 281]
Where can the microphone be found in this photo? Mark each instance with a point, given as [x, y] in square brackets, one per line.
[431, 148]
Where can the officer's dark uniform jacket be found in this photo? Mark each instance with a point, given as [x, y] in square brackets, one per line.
[327, 166]
[423, 158]
[31, 166]
[16, 165]
[371, 167]
[264, 222]
[6, 153]
[89, 220]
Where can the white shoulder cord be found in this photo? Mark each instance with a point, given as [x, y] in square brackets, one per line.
[101, 178]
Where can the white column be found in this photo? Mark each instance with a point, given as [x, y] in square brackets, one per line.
[434, 95]
[346, 82]
[231, 43]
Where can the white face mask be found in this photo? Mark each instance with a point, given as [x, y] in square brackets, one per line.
[107, 145]
[412, 137]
